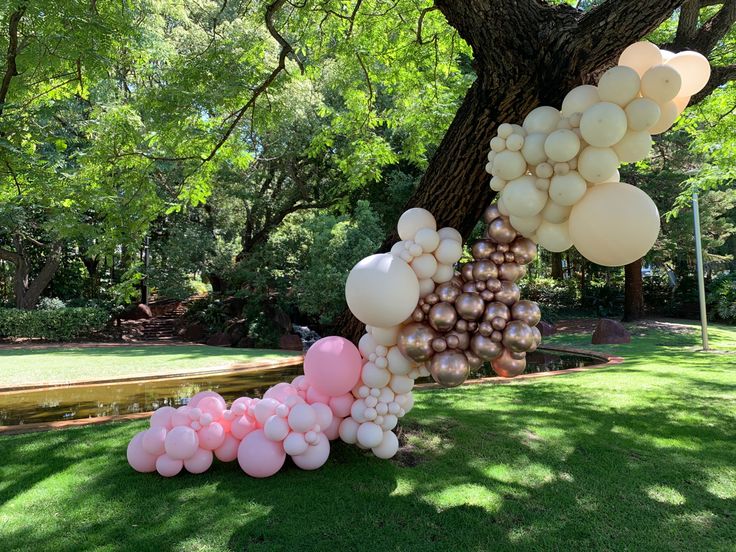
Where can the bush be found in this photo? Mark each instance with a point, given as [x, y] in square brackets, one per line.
[553, 296]
[722, 296]
[50, 303]
[61, 324]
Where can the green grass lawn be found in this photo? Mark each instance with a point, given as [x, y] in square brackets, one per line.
[640, 456]
[64, 365]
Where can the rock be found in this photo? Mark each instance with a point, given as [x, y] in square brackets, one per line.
[237, 331]
[233, 306]
[220, 339]
[291, 342]
[195, 332]
[137, 312]
[244, 343]
[610, 331]
[545, 328]
[282, 320]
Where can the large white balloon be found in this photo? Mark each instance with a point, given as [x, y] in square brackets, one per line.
[542, 119]
[694, 70]
[641, 56]
[509, 165]
[554, 237]
[603, 124]
[522, 198]
[633, 147]
[382, 290]
[614, 224]
[642, 113]
[619, 85]
[597, 164]
[562, 145]
[567, 189]
[533, 148]
[661, 83]
[413, 220]
[579, 99]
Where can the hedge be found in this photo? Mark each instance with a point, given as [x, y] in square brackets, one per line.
[62, 324]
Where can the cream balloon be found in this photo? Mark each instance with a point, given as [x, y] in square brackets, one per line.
[562, 145]
[509, 165]
[385, 336]
[501, 204]
[614, 224]
[424, 266]
[619, 85]
[522, 198]
[541, 119]
[597, 164]
[555, 213]
[515, 142]
[579, 99]
[554, 237]
[413, 220]
[497, 184]
[444, 273]
[505, 130]
[567, 189]
[533, 149]
[426, 286]
[642, 113]
[603, 124]
[526, 225]
[382, 290]
[681, 102]
[428, 239]
[667, 118]
[450, 234]
[661, 83]
[641, 56]
[694, 70]
[448, 252]
[633, 147]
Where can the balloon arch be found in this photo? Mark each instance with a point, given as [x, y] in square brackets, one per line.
[558, 185]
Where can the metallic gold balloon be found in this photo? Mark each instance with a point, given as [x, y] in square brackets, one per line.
[415, 341]
[432, 299]
[502, 247]
[508, 257]
[497, 336]
[425, 307]
[469, 287]
[482, 249]
[480, 286]
[482, 270]
[496, 309]
[510, 271]
[485, 328]
[524, 250]
[498, 323]
[501, 231]
[491, 213]
[508, 367]
[487, 295]
[461, 325]
[518, 337]
[509, 293]
[474, 361]
[467, 271]
[470, 306]
[442, 317]
[447, 292]
[450, 368]
[526, 311]
[417, 315]
[463, 339]
[472, 326]
[494, 284]
[485, 347]
[453, 341]
[537, 339]
[498, 257]
[439, 344]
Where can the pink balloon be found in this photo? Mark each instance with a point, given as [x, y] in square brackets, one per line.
[300, 382]
[196, 399]
[181, 417]
[280, 392]
[341, 405]
[138, 458]
[302, 418]
[260, 457]
[211, 436]
[168, 466]
[295, 444]
[181, 442]
[153, 440]
[332, 365]
[332, 431]
[162, 417]
[265, 409]
[241, 427]
[228, 451]
[200, 462]
[314, 396]
[212, 406]
[276, 428]
[324, 415]
[315, 456]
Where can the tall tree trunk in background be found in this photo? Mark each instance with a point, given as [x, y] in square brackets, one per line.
[92, 264]
[525, 53]
[556, 265]
[26, 289]
[633, 292]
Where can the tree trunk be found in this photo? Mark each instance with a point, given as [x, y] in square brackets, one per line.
[525, 53]
[27, 290]
[556, 266]
[93, 269]
[633, 292]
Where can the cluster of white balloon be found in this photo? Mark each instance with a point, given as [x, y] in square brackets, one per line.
[557, 174]
[382, 291]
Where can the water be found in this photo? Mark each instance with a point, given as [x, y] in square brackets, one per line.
[309, 336]
[123, 398]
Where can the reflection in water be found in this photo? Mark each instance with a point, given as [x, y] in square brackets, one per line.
[90, 401]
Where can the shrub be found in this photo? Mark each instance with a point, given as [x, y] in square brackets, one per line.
[553, 296]
[61, 324]
[50, 303]
[722, 296]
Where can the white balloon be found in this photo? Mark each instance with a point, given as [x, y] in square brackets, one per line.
[515, 142]
[681, 102]
[389, 422]
[398, 363]
[597, 164]
[533, 149]
[545, 170]
[401, 384]
[382, 290]
[424, 266]
[497, 184]
[667, 118]
[619, 85]
[640, 56]
[579, 99]
[642, 113]
[448, 252]
[413, 220]
[633, 147]
[349, 431]
[567, 189]
[614, 224]
[554, 237]
[661, 83]
[385, 337]
[666, 55]
[444, 273]
[555, 213]
[603, 124]
[518, 129]
[542, 119]
[373, 376]
[526, 225]
[426, 286]
[498, 144]
[502, 206]
[522, 198]
[694, 70]
[389, 446]
[428, 239]
[450, 234]
[562, 145]
[369, 435]
[509, 165]
[367, 345]
[505, 130]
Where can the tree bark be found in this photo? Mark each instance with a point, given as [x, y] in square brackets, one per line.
[27, 290]
[556, 266]
[633, 292]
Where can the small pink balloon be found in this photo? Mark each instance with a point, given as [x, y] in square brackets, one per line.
[324, 414]
[302, 418]
[295, 444]
[315, 456]
[200, 462]
[228, 451]
[212, 406]
[341, 405]
[168, 466]
[280, 392]
[241, 427]
[211, 436]
[333, 430]
[258, 456]
[225, 424]
[181, 443]
[138, 458]
[300, 382]
[276, 428]
[196, 399]
[314, 396]
[162, 417]
[265, 409]
[180, 417]
[332, 365]
[240, 405]
[153, 440]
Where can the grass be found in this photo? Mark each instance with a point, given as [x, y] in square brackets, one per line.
[64, 365]
[641, 456]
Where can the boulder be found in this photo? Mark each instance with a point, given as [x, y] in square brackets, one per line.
[137, 312]
[545, 328]
[291, 342]
[237, 331]
[610, 332]
[220, 339]
[244, 343]
[195, 332]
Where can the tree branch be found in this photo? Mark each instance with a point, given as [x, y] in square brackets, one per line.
[715, 28]
[687, 23]
[11, 68]
[10, 256]
[719, 76]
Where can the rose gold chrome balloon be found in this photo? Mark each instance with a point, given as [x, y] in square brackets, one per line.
[474, 361]
[439, 344]
[469, 287]
[485, 329]
[501, 231]
[485, 347]
[527, 311]
[467, 271]
[457, 280]
[482, 249]
[494, 284]
[480, 286]
[508, 257]
[496, 309]
[537, 339]
[498, 323]
[508, 367]
[425, 307]
[524, 250]
[482, 270]
[461, 325]
[469, 306]
[415, 341]
[432, 299]
[472, 326]
[509, 293]
[417, 315]
[463, 339]
[498, 257]
[452, 341]
[487, 295]
[502, 247]
[497, 336]
[518, 337]
[510, 271]
[442, 317]
[491, 213]
[447, 292]
[450, 368]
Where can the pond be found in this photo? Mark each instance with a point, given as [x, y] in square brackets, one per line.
[123, 398]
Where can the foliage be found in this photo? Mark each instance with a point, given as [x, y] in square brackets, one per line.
[50, 303]
[57, 324]
[722, 296]
[554, 296]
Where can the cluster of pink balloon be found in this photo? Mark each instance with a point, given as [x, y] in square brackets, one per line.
[296, 419]
[557, 173]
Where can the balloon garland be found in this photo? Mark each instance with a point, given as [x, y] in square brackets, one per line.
[558, 183]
